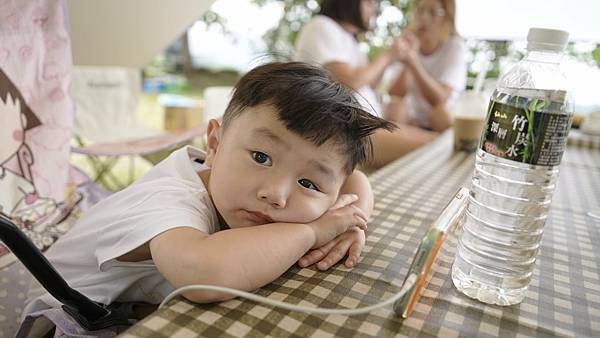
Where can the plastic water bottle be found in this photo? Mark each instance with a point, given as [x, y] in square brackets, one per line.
[517, 162]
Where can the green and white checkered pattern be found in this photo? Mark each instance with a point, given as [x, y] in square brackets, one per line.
[563, 299]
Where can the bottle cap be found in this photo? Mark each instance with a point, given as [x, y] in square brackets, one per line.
[547, 39]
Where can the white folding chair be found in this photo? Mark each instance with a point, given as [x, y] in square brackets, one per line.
[106, 127]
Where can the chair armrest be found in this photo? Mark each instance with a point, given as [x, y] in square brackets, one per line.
[141, 146]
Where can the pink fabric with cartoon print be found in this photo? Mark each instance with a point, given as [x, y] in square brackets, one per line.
[36, 111]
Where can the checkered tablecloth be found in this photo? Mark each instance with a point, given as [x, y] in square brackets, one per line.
[581, 139]
[563, 299]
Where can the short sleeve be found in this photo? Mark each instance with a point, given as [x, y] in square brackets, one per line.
[155, 213]
[454, 70]
[322, 41]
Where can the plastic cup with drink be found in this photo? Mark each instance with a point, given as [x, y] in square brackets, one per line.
[469, 114]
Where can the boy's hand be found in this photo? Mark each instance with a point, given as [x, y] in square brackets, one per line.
[350, 242]
[339, 218]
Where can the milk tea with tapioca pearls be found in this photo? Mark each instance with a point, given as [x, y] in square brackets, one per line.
[467, 132]
[469, 116]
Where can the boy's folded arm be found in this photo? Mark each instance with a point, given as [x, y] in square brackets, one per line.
[358, 184]
[352, 241]
[242, 258]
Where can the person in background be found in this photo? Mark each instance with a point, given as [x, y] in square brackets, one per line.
[330, 40]
[433, 67]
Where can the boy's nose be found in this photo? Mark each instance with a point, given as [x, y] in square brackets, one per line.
[275, 195]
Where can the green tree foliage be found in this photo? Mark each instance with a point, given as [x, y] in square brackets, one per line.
[596, 54]
[280, 40]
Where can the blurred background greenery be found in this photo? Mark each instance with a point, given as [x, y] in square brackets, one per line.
[279, 43]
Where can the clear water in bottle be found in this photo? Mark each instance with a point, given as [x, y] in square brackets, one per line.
[505, 217]
[516, 170]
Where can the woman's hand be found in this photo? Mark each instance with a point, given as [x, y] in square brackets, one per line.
[350, 243]
[397, 48]
[408, 45]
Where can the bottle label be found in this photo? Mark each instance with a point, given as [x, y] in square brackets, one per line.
[526, 135]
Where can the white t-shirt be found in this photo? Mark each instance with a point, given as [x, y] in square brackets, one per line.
[322, 40]
[447, 65]
[170, 195]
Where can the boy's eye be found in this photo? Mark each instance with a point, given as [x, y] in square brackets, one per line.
[261, 158]
[308, 184]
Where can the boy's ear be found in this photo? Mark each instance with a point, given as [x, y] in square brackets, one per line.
[213, 132]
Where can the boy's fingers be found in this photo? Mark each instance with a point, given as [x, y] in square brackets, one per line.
[354, 254]
[335, 255]
[358, 211]
[311, 257]
[350, 216]
[361, 224]
[344, 200]
[335, 222]
[316, 255]
[360, 215]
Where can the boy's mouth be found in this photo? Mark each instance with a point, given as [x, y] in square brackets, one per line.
[258, 217]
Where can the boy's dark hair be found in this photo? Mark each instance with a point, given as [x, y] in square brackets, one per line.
[344, 11]
[311, 104]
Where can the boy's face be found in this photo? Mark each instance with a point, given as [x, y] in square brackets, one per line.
[262, 173]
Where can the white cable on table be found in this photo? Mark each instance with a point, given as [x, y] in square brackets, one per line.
[406, 287]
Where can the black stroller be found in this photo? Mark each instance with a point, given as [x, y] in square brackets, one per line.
[87, 313]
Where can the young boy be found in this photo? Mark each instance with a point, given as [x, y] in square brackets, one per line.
[276, 186]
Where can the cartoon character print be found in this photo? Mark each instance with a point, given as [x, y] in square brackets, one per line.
[19, 199]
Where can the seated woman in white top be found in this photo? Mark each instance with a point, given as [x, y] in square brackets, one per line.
[434, 68]
[329, 39]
